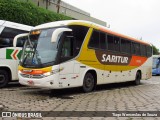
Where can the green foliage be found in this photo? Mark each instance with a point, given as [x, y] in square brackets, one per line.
[27, 13]
[155, 50]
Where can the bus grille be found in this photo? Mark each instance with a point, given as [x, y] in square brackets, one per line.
[32, 76]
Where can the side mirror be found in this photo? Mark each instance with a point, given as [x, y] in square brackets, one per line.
[18, 36]
[57, 32]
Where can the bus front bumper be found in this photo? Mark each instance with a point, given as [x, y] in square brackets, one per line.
[46, 82]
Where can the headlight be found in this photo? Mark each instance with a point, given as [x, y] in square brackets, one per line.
[47, 74]
[52, 72]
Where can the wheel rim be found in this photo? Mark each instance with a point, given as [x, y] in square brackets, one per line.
[2, 78]
[89, 82]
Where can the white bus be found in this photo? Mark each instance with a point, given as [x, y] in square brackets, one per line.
[9, 55]
[76, 53]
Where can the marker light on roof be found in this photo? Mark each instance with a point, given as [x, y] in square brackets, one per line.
[35, 32]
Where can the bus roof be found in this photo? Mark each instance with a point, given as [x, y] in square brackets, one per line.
[15, 25]
[88, 24]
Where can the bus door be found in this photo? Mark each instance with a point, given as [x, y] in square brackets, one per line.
[66, 58]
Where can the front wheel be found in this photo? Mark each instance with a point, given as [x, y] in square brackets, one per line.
[88, 82]
[138, 78]
[4, 78]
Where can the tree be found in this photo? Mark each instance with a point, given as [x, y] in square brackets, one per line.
[27, 13]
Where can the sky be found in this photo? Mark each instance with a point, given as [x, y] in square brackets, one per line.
[135, 18]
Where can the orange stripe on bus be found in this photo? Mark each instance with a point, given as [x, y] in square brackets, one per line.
[34, 72]
[137, 61]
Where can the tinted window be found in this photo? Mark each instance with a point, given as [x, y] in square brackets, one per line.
[67, 48]
[6, 42]
[113, 43]
[136, 48]
[143, 50]
[79, 33]
[110, 41]
[21, 41]
[94, 41]
[103, 41]
[149, 51]
[125, 46]
[10, 32]
[7, 35]
[116, 43]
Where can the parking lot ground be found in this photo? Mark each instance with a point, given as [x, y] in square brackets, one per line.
[107, 99]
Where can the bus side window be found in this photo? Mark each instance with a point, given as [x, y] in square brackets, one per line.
[125, 46]
[136, 48]
[67, 48]
[143, 50]
[149, 51]
[94, 40]
[79, 33]
[110, 40]
[21, 41]
[103, 44]
[5, 42]
[7, 35]
[116, 43]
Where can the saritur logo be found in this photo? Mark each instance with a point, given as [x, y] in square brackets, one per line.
[114, 59]
[109, 58]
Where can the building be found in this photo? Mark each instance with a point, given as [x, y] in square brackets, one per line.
[67, 9]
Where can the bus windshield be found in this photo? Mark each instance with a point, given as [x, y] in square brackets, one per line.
[38, 50]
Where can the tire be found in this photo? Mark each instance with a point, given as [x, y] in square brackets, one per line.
[138, 78]
[88, 82]
[4, 78]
